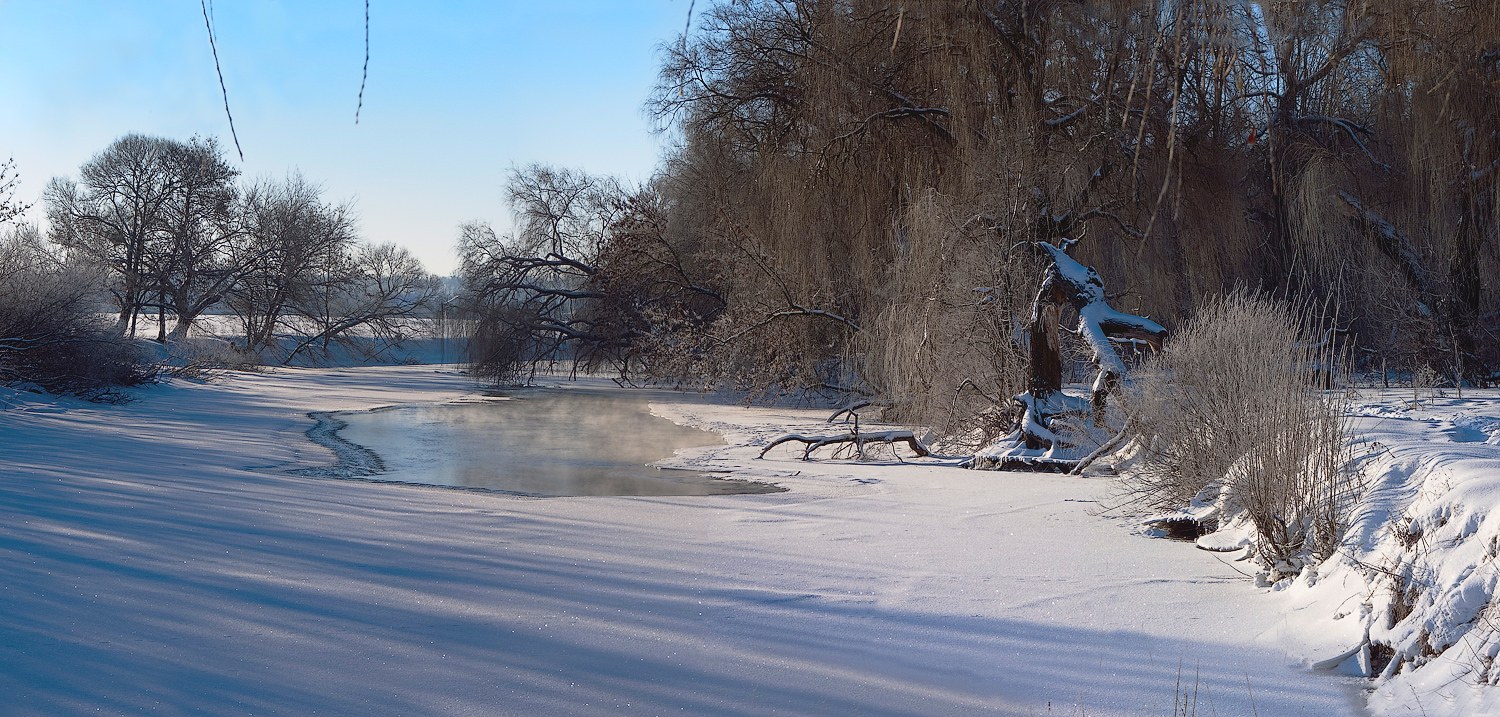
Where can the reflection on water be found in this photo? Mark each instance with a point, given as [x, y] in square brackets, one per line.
[547, 443]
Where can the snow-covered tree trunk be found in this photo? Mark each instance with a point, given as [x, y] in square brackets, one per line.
[1038, 442]
[1046, 355]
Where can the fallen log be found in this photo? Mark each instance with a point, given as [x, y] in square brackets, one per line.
[853, 438]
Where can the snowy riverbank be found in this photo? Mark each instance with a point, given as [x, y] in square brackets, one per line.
[159, 557]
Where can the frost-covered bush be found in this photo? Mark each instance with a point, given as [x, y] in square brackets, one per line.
[203, 358]
[51, 334]
[1237, 411]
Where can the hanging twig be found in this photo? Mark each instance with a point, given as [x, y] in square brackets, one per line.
[686, 26]
[365, 73]
[214, 47]
[896, 38]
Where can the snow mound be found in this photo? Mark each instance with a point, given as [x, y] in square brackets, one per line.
[1411, 598]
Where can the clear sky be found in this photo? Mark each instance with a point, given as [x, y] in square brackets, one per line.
[459, 91]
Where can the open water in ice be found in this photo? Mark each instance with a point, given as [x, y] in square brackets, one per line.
[567, 442]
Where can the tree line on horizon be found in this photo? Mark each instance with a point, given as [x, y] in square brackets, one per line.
[857, 192]
[165, 228]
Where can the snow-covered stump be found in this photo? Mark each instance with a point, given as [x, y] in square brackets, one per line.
[1040, 441]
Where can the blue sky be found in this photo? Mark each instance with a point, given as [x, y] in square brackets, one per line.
[458, 93]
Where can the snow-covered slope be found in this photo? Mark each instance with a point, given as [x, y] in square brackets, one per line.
[1413, 590]
[158, 558]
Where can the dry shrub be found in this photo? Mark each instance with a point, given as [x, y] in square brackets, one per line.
[207, 358]
[51, 334]
[1239, 405]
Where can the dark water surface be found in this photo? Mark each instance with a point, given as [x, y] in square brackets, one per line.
[565, 442]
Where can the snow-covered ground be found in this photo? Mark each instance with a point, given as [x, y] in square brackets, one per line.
[158, 557]
[427, 341]
[1418, 573]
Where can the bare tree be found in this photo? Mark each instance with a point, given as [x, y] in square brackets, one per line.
[10, 209]
[160, 213]
[196, 268]
[378, 292]
[526, 289]
[292, 250]
[115, 213]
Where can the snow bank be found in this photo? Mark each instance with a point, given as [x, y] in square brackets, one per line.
[1410, 599]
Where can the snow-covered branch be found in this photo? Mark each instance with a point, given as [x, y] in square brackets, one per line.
[1098, 322]
[853, 438]
[1392, 243]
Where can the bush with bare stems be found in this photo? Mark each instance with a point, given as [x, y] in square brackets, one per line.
[1240, 410]
[51, 334]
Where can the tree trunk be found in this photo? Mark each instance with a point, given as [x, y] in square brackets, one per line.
[1067, 283]
[1046, 366]
[180, 329]
[161, 318]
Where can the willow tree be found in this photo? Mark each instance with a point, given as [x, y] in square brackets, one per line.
[881, 162]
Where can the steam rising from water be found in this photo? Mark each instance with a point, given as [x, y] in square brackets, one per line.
[542, 443]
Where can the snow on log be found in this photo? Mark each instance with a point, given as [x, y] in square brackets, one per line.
[1039, 442]
[854, 438]
[1098, 323]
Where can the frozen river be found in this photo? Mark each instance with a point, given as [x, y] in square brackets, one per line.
[538, 442]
